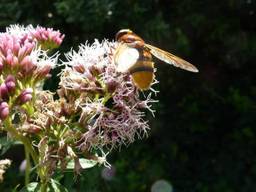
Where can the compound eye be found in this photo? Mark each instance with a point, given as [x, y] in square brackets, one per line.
[121, 33]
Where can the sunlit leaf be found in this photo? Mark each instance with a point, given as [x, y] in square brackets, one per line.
[85, 163]
[56, 187]
[31, 187]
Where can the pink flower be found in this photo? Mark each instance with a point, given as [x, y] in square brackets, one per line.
[13, 52]
[116, 117]
[23, 58]
[47, 37]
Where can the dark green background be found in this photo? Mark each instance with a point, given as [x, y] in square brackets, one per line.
[203, 136]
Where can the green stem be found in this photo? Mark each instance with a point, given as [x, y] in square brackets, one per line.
[28, 166]
[106, 98]
[24, 140]
[29, 150]
[43, 178]
[43, 187]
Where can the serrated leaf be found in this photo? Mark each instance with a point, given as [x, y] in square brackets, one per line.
[85, 163]
[31, 187]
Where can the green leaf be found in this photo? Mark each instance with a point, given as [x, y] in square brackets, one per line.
[85, 163]
[5, 144]
[56, 187]
[15, 189]
[31, 187]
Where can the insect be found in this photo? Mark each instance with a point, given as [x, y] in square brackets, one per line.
[134, 56]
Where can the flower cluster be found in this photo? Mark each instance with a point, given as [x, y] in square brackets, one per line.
[98, 109]
[23, 63]
[95, 109]
[111, 110]
[47, 38]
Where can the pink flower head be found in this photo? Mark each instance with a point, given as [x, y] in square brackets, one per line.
[20, 54]
[9, 46]
[13, 52]
[47, 37]
[117, 115]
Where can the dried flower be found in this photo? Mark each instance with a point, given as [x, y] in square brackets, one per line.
[4, 164]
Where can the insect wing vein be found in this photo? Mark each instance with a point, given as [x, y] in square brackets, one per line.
[171, 59]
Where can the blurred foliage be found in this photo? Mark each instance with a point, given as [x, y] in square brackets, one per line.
[203, 137]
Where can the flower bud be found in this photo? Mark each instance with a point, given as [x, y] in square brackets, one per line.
[25, 50]
[111, 86]
[95, 71]
[9, 59]
[79, 68]
[22, 52]
[3, 91]
[10, 78]
[1, 66]
[89, 76]
[25, 96]
[33, 129]
[43, 71]
[10, 83]
[27, 64]
[4, 110]
[47, 37]
[16, 48]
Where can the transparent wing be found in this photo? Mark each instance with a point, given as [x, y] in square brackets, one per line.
[171, 59]
[125, 57]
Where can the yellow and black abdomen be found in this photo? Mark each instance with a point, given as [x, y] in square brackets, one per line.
[143, 71]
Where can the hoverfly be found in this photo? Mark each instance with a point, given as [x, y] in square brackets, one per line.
[134, 56]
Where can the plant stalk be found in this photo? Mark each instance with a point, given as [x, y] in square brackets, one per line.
[28, 166]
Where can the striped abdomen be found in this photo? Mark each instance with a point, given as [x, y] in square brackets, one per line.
[143, 71]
